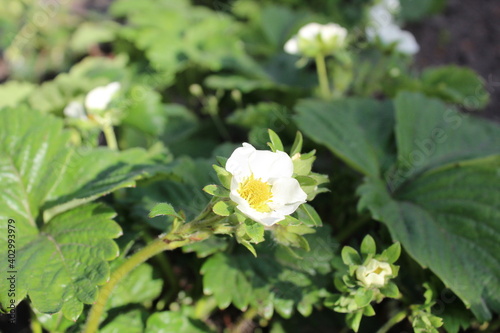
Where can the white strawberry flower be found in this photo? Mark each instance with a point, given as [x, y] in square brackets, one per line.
[99, 98]
[317, 39]
[262, 185]
[374, 274]
[403, 41]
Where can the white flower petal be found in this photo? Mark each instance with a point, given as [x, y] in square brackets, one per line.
[237, 164]
[266, 164]
[287, 191]
[292, 46]
[404, 40]
[75, 110]
[99, 98]
[310, 31]
[332, 30]
[407, 43]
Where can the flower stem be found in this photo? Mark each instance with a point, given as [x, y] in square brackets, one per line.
[157, 246]
[324, 86]
[109, 133]
[398, 317]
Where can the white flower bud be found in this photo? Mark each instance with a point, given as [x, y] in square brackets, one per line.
[316, 39]
[98, 98]
[374, 274]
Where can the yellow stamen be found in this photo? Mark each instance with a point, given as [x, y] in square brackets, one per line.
[257, 193]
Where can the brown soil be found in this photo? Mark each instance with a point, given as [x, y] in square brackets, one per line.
[466, 33]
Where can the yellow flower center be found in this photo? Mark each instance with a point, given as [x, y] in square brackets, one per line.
[257, 193]
[378, 270]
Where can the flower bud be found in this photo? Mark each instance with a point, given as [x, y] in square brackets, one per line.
[374, 274]
[315, 39]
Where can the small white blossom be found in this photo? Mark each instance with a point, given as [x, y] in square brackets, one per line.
[75, 110]
[99, 98]
[262, 185]
[374, 274]
[316, 39]
[403, 41]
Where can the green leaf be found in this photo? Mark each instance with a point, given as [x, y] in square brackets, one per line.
[450, 211]
[456, 84]
[125, 321]
[354, 129]
[90, 174]
[170, 321]
[275, 143]
[42, 181]
[430, 134]
[164, 209]
[141, 285]
[12, 93]
[66, 261]
[275, 281]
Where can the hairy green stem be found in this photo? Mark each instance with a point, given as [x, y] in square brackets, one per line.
[398, 317]
[109, 133]
[157, 246]
[324, 86]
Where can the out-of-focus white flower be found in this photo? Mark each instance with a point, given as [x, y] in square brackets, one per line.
[99, 98]
[374, 274]
[382, 13]
[75, 110]
[262, 185]
[316, 39]
[403, 41]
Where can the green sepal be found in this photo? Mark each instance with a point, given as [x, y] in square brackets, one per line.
[353, 320]
[307, 215]
[216, 191]
[249, 246]
[302, 165]
[223, 175]
[368, 311]
[390, 290]
[162, 209]
[350, 256]
[221, 160]
[255, 231]
[368, 245]
[222, 208]
[363, 297]
[275, 143]
[392, 253]
[297, 144]
[306, 181]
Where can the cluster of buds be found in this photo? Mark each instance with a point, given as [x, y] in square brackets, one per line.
[315, 39]
[367, 279]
